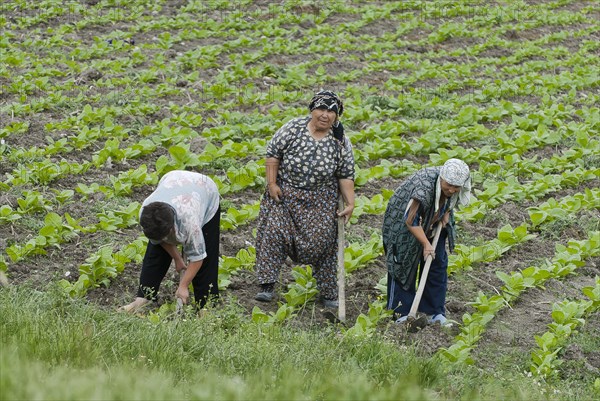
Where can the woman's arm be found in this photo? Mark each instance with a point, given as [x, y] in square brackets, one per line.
[174, 253]
[347, 190]
[272, 168]
[417, 230]
[183, 291]
[189, 271]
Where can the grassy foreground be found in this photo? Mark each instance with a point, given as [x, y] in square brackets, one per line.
[53, 348]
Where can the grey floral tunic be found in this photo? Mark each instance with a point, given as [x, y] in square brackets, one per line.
[307, 163]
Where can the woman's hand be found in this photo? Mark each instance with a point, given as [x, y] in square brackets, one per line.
[171, 249]
[445, 219]
[183, 293]
[271, 169]
[347, 213]
[428, 251]
[185, 279]
[347, 190]
[275, 192]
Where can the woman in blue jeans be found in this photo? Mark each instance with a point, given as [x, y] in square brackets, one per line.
[426, 198]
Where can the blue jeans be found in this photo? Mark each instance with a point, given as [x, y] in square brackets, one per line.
[434, 293]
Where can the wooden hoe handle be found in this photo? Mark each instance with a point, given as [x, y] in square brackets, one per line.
[341, 269]
[415, 305]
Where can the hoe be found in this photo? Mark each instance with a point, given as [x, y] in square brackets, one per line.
[414, 323]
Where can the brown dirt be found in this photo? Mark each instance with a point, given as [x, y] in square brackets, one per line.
[512, 330]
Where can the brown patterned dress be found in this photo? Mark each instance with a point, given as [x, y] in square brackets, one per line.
[303, 225]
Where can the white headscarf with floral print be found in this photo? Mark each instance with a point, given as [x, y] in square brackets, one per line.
[455, 172]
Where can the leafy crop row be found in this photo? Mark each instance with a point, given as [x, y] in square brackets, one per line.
[565, 261]
[566, 316]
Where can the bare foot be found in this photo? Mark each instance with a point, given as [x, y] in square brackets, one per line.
[135, 305]
[3, 279]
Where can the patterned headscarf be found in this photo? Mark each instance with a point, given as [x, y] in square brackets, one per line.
[327, 100]
[456, 172]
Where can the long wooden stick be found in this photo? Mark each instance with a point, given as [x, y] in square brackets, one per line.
[423, 279]
[341, 269]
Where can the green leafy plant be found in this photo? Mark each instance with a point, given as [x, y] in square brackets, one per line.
[237, 217]
[103, 266]
[566, 316]
[112, 220]
[8, 215]
[358, 254]
[303, 289]
[283, 313]
[366, 324]
[32, 202]
[229, 265]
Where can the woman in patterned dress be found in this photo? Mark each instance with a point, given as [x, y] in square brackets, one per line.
[427, 197]
[309, 161]
[183, 210]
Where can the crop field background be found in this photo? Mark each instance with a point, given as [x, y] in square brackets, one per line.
[100, 98]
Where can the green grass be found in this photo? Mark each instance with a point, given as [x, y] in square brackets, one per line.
[56, 348]
[433, 78]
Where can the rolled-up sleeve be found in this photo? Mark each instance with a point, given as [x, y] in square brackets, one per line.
[195, 250]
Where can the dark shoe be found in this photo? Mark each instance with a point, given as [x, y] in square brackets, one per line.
[267, 292]
[264, 296]
[330, 303]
